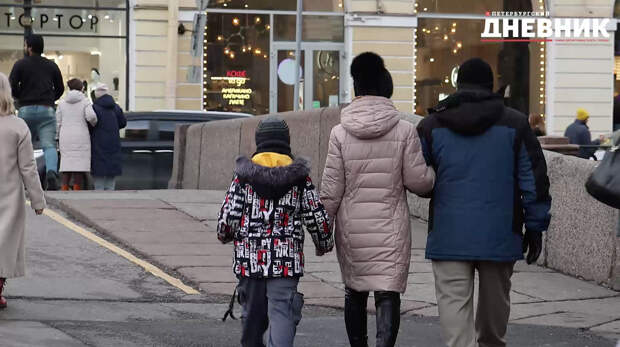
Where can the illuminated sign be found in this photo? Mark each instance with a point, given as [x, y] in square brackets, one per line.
[236, 73]
[235, 94]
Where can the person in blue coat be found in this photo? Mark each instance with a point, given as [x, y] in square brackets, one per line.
[491, 180]
[106, 119]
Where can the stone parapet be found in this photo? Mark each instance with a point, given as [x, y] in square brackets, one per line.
[580, 241]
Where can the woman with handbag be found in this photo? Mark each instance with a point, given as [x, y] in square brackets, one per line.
[604, 182]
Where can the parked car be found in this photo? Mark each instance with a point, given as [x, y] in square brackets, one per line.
[148, 145]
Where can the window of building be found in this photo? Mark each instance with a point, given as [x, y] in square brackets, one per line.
[443, 44]
[314, 28]
[473, 7]
[279, 5]
[237, 69]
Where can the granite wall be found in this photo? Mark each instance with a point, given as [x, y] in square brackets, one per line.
[580, 241]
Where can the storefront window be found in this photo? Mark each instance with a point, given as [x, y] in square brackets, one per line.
[472, 7]
[443, 44]
[314, 28]
[280, 5]
[86, 39]
[237, 64]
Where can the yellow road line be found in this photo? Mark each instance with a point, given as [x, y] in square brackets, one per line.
[123, 253]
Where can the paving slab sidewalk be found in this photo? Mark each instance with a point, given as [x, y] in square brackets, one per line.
[176, 230]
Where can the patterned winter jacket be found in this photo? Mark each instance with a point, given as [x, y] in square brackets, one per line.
[263, 213]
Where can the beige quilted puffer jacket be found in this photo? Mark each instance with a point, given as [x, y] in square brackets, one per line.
[373, 157]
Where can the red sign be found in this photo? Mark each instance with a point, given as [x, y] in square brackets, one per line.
[236, 73]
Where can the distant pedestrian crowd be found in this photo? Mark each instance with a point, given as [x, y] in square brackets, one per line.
[87, 133]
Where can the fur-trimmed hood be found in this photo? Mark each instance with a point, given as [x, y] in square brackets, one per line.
[272, 182]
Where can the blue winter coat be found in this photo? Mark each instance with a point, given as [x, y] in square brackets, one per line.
[491, 178]
[578, 133]
[106, 159]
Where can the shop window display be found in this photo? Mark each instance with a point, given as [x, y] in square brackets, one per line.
[86, 39]
[443, 44]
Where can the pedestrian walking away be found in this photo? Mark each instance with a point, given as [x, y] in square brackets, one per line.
[269, 200]
[73, 136]
[17, 169]
[537, 123]
[491, 179]
[106, 119]
[578, 133]
[373, 158]
[36, 83]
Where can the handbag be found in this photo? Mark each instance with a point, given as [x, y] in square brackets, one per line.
[604, 183]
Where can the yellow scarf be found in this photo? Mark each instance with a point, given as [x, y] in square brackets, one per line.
[272, 159]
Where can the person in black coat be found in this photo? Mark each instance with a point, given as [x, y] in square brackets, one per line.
[106, 118]
[491, 182]
[36, 83]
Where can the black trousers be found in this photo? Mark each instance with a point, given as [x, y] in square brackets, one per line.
[356, 320]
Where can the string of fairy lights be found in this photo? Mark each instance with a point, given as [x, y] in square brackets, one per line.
[205, 74]
[542, 63]
[240, 38]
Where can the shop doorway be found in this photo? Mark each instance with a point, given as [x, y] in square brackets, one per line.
[322, 75]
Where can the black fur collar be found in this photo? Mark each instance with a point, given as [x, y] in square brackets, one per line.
[272, 183]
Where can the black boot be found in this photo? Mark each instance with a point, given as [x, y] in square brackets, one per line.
[388, 318]
[52, 180]
[355, 317]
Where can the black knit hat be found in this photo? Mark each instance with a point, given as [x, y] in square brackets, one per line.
[272, 135]
[370, 77]
[476, 72]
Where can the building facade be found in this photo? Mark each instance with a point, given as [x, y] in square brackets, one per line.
[241, 56]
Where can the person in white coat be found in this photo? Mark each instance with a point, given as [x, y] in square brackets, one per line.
[74, 137]
[17, 169]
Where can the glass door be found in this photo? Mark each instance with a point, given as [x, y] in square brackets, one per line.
[325, 88]
[321, 71]
[285, 71]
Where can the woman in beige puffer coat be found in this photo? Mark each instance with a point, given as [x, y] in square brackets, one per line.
[374, 157]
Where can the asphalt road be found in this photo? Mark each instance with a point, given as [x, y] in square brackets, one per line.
[78, 293]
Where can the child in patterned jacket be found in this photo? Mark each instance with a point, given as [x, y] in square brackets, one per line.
[271, 197]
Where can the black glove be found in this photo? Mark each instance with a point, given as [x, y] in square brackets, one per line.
[532, 241]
